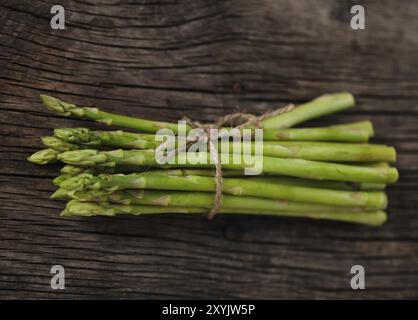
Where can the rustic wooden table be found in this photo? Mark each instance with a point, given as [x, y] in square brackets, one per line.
[204, 59]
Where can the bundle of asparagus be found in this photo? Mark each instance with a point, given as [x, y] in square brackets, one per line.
[320, 172]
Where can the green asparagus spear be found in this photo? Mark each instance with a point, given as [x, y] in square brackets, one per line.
[88, 209]
[286, 149]
[353, 132]
[234, 186]
[76, 208]
[322, 105]
[289, 167]
[70, 171]
[200, 199]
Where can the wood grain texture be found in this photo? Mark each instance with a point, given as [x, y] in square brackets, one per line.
[164, 59]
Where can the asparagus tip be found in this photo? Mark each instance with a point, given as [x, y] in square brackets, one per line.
[72, 170]
[44, 156]
[58, 144]
[82, 157]
[61, 178]
[78, 182]
[76, 135]
[59, 194]
[62, 107]
[88, 209]
[65, 213]
[51, 103]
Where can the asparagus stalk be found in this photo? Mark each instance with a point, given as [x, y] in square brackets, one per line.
[70, 171]
[234, 186]
[323, 105]
[289, 167]
[75, 170]
[95, 114]
[351, 132]
[88, 209]
[286, 149]
[44, 156]
[200, 199]
[77, 208]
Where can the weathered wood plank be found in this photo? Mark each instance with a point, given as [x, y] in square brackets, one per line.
[203, 59]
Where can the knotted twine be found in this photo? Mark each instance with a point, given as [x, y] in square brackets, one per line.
[245, 120]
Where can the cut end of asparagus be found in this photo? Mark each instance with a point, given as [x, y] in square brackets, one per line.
[380, 218]
[372, 218]
[368, 125]
[343, 98]
[384, 200]
[393, 175]
[323, 105]
[64, 108]
[44, 156]
[392, 154]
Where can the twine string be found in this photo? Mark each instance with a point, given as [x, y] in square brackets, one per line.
[238, 120]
